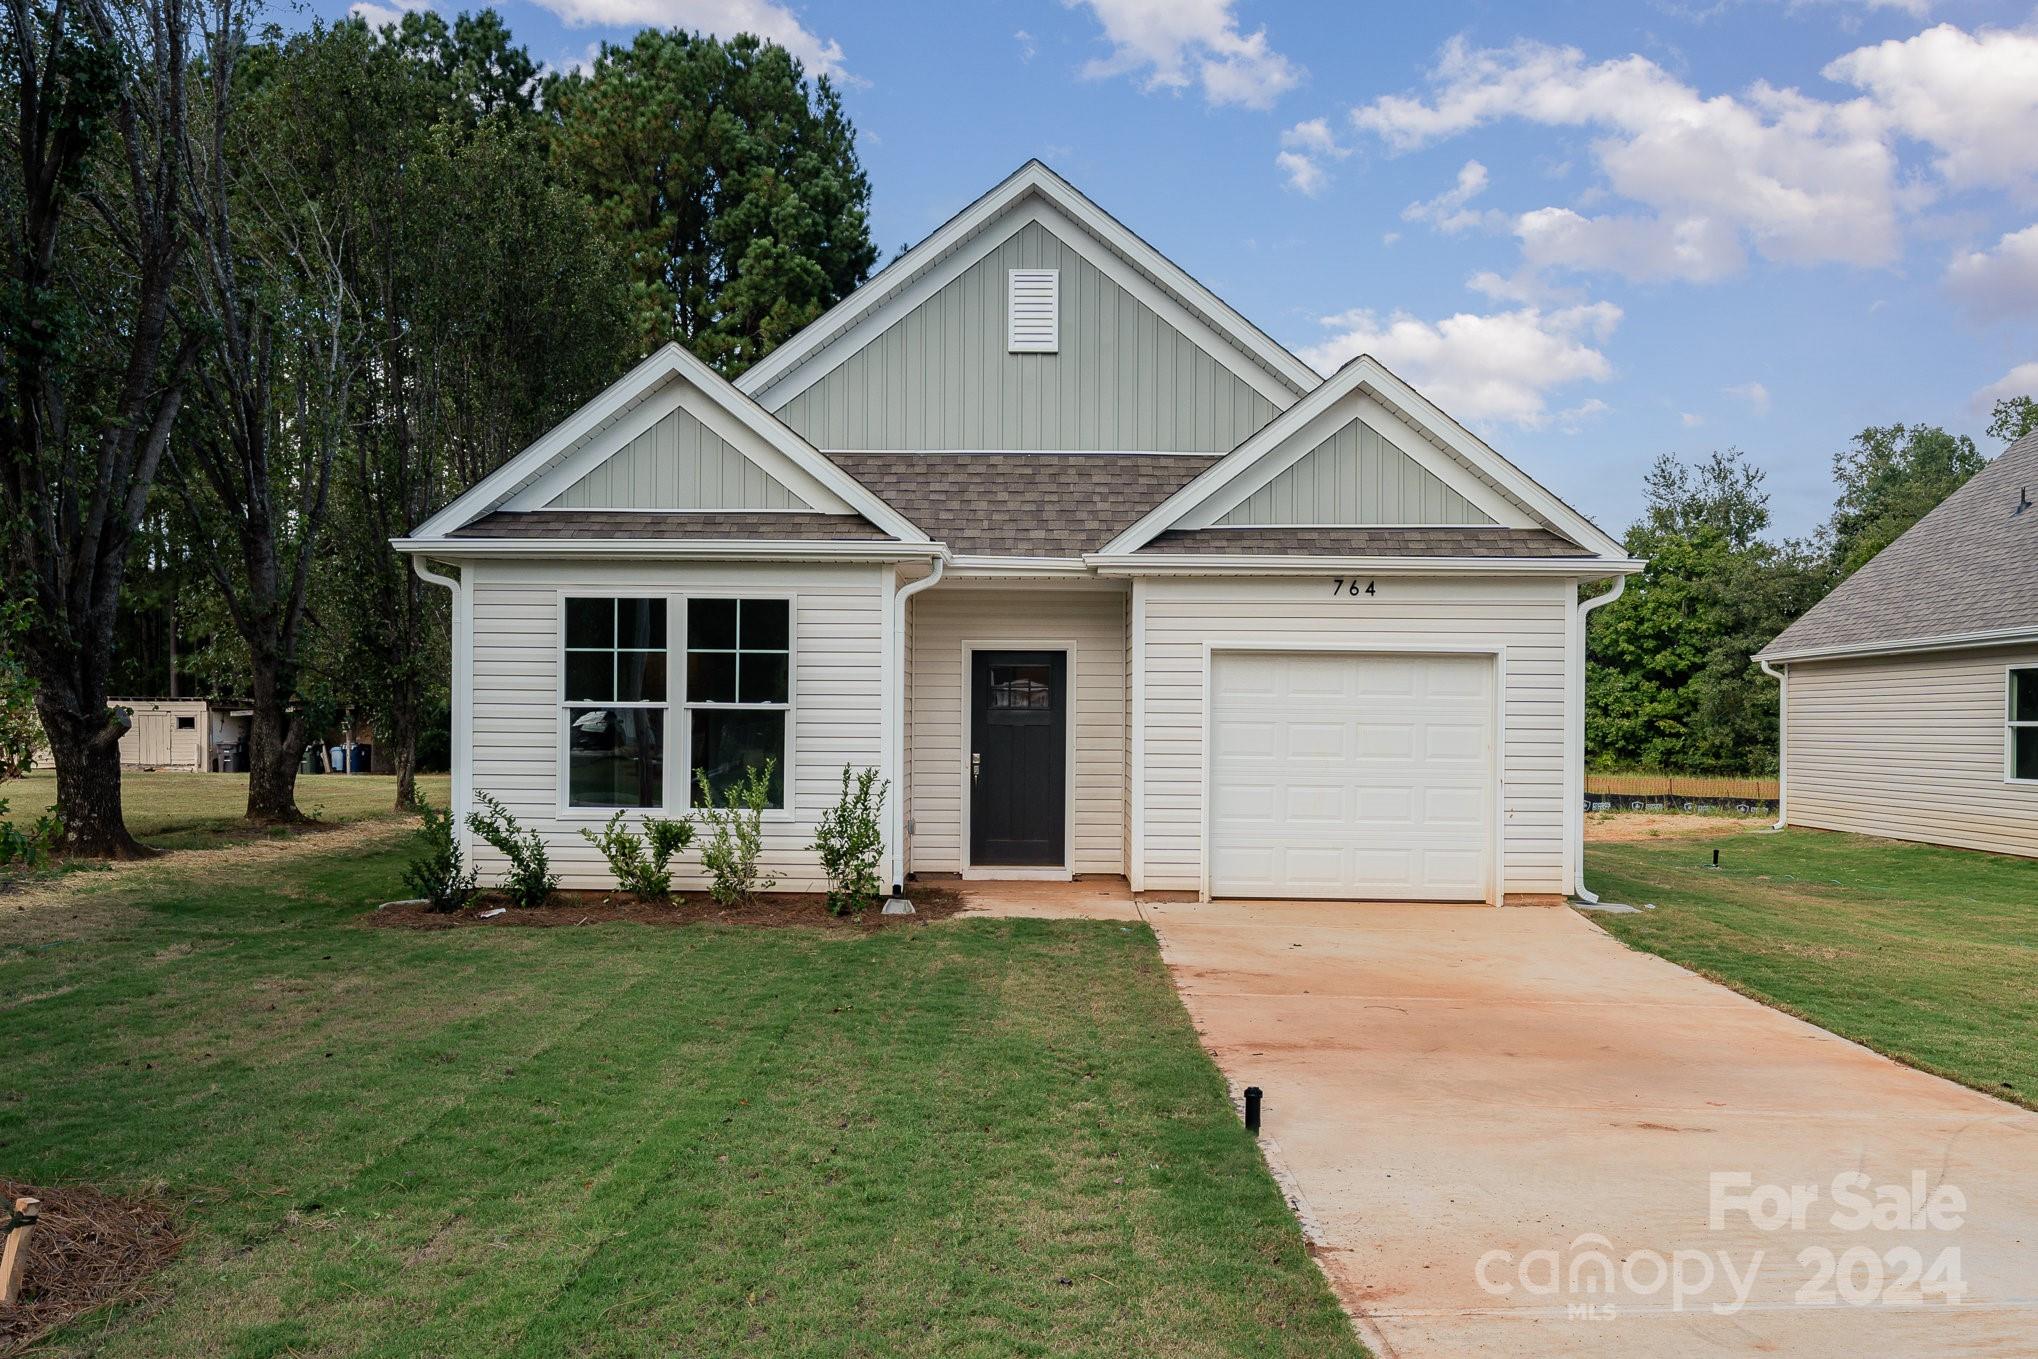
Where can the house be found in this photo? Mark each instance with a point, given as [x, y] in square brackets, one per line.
[197, 735]
[1910, 693]
[1102, 579]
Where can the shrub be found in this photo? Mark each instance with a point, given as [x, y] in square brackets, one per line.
[851, 840]
[640, 861]
[736, 836]
[530, 879]
[30, 848]
[438, 873]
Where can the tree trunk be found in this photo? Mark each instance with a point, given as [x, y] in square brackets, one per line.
[402, 737]
[275, 746]
[86, 751]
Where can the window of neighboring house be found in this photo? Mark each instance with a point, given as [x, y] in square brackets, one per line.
[738, 691]
[187, 724]
[2023, 724]
[613, 697]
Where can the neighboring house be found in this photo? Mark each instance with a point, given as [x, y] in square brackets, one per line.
[1100, 577]
[198, 735]
[1910, 694]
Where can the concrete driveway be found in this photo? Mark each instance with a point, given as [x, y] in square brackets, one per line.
[1479, 1113]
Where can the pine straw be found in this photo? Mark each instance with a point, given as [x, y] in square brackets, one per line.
[90, 1249]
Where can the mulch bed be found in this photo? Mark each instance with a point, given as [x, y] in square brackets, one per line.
[89, 1249]
[774, 910]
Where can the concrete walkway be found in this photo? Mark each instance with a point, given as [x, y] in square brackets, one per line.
[1478, 1113]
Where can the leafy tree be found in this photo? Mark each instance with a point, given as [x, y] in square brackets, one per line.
[1891, 477]
[730, 181]
[473, 59]
[2013, 418]
[1669, 681]
[95, 360]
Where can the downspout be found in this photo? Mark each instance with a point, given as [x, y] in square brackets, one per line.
[1585, 608]
[1782, 678]
[897, 817]
[456, 693]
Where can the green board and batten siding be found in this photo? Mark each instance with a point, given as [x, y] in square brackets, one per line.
[1355, 477]
[678, 464]
[940, 377]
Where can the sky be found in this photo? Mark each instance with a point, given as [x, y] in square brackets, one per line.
[1595, 231]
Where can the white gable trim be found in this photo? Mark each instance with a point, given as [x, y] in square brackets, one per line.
[622, 397]
[676, 395]
[1039, 194]
[1385, 395]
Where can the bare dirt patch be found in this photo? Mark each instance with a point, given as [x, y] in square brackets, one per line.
[89, 1249]
[778, 910]
[1628, 827]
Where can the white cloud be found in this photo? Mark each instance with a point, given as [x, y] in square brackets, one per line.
[2019, 381]
[1973, 97]
[1998, 282]
[1574, 418]
[380, 17]
[1176, 44]
[722, 18]
[1304, 149]
[1696, 249]
[1754, 393]
[1448, 211]
[1691, 420]
[1493, 369]
[1028, 48]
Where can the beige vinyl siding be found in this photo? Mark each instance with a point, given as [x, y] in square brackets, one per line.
[944, 622]
[1527, 616]
[1909, 747]
[837, 711]
[941, 377]
[1355, 477]
[678, 464]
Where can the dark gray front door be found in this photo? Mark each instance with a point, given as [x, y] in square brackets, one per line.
[1018, 758]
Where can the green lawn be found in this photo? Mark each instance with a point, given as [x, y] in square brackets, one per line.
[191, 811]
[959, 1138]
[1927, 954]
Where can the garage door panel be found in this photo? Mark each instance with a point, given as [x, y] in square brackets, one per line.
[1350, 775]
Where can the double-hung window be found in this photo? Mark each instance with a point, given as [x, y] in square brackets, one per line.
[738, 691]
[614, 697]
[2021, 739]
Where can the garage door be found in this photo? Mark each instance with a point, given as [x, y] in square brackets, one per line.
[1356, 776]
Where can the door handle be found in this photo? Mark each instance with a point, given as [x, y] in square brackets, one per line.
[976, 767]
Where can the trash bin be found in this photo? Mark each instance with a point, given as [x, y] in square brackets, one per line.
[363, 760]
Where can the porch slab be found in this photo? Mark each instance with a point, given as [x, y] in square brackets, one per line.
[1085, 898]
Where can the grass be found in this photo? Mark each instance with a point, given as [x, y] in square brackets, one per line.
[1923, 953]
[191, 811]
[968, 1138]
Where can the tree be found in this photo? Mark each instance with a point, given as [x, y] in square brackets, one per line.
[473, 60]
[1891, 477]
[95, 362]
[1669, 681]
[729, 180]
[2013, 418]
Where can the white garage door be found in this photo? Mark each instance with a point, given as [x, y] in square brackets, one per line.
[1356, 776]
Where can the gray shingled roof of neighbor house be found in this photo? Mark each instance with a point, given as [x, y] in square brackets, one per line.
[1370, 542]
[1968, 567]
[727, 526]
[1023, 504]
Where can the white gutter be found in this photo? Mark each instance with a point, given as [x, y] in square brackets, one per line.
[1242, 564]
[460, 691]
[1585, 608]
[895, 835]
[1782, 678]
[1950, 642]
[677, 549]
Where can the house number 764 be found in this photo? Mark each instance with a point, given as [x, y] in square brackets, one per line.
[1341, 586]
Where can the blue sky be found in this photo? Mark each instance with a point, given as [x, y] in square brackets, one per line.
[1595, 232]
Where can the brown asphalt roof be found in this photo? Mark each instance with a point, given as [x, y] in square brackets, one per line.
[1023, 504]
[726, 526]
[1969, 566]
[1370, 542]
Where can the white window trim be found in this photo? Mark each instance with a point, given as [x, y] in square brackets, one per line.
[687, 707]
[2011, 726]
[676, 803]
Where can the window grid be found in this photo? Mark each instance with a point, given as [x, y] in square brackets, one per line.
[574, 710]
[2020, 720]
[738, 703]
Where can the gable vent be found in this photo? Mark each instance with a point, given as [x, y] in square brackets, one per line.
[1033, 311]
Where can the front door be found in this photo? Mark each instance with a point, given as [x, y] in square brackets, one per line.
[1018, 759]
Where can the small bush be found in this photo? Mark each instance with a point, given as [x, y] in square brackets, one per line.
[29, 848]
[851, 840]
[640, 862]
[530, 879]
[736, 836]
[438, 874]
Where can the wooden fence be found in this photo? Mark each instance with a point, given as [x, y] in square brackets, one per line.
[1665, 787]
